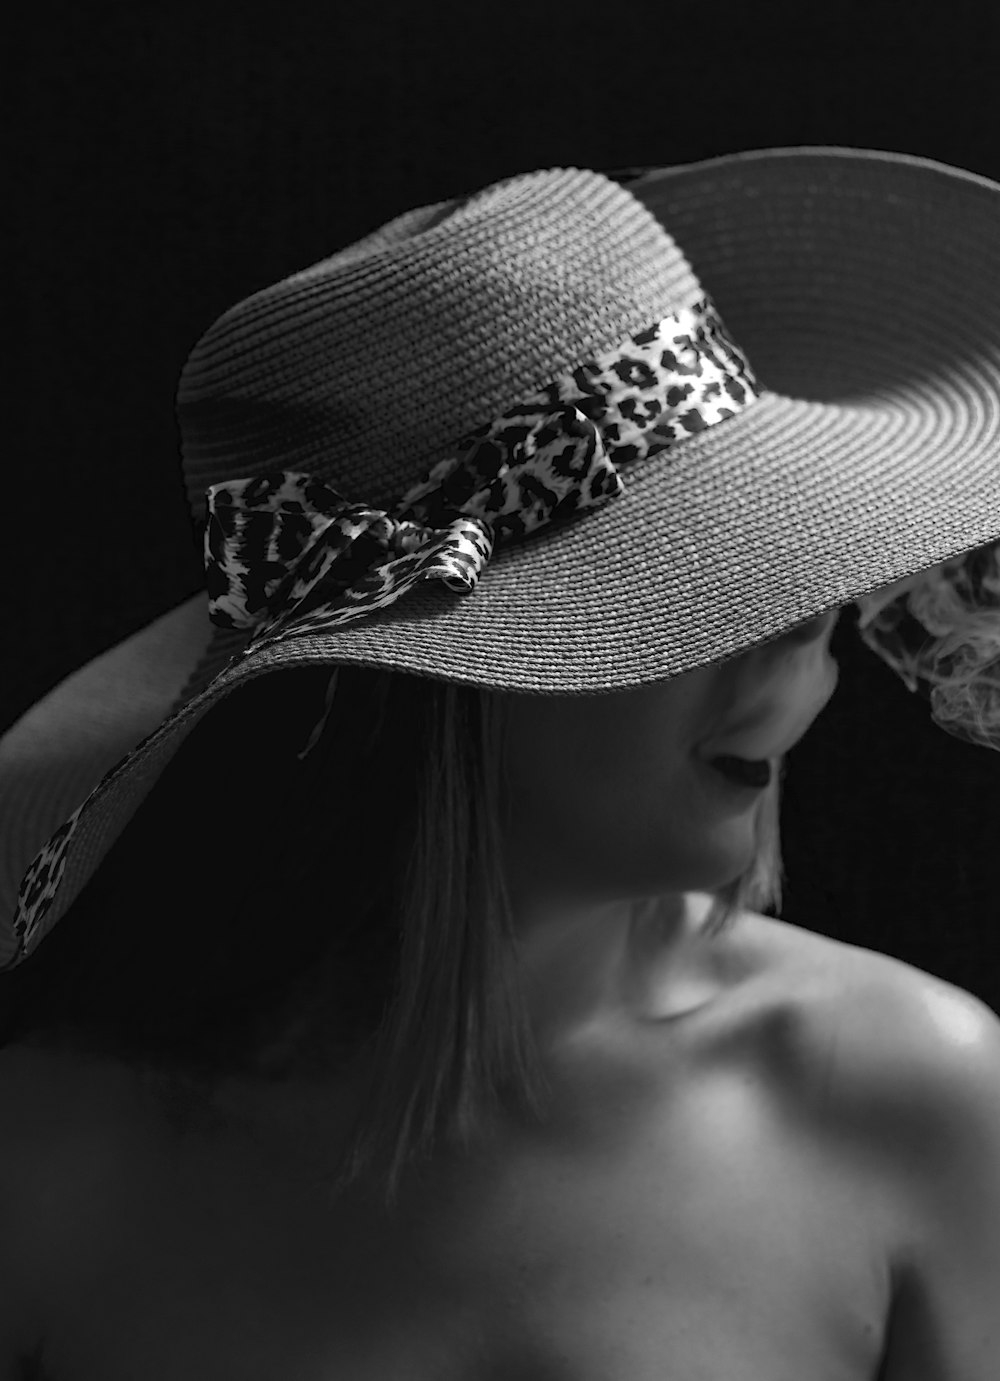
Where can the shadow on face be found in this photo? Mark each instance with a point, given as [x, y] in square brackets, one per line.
[606, 796]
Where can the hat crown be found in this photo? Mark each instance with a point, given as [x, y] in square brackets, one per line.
[368, 366]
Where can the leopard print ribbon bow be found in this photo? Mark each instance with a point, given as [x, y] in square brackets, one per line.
[286, 548]
[284, 551]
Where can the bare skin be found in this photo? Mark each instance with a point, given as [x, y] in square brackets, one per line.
[696, 1204]
[609, 801]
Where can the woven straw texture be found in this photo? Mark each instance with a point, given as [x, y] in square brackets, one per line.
[863, 289]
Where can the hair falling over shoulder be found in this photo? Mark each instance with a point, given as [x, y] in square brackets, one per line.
[454, 1040]
[356, 912]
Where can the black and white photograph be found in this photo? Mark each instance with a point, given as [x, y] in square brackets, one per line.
[500, 693]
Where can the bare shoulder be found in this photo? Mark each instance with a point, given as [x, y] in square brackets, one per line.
[50, 1095]
[894, 1031]
[909, 1065]
[65, 1125]
[879, 1041]
[28, 1122]
[853, 974]
[931, 1086]
[65, 1116]
[900, 1031]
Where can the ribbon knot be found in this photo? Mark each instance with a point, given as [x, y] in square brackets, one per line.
[286, 552]
[284, 548]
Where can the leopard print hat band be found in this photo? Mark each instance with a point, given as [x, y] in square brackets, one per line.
[506, 440]
[285, 552]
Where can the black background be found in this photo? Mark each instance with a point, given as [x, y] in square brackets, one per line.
[165, 161]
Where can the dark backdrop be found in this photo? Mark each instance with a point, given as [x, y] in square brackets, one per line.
[168, 160]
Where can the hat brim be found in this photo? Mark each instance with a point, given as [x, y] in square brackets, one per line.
[862, 287]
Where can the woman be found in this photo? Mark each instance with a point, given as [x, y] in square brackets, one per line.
[452, 1042]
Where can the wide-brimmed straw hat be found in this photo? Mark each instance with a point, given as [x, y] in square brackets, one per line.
[567, 434]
